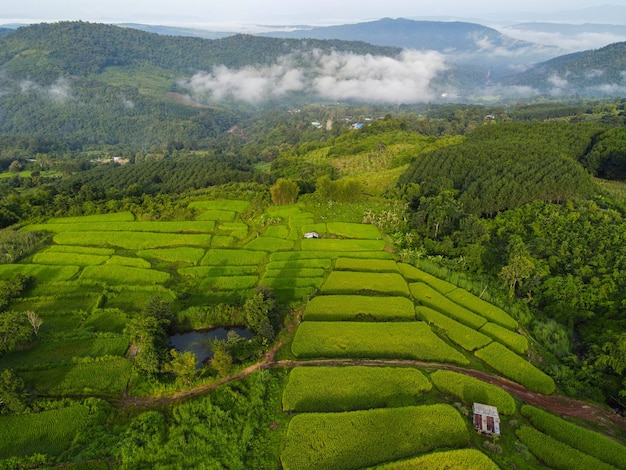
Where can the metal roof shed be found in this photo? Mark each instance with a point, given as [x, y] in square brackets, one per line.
[486, 419]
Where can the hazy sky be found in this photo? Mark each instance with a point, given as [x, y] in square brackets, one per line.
[192, 12]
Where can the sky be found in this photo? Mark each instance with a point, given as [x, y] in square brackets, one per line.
[276, 12]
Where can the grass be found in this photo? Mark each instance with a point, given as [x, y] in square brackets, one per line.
[472, 390]
[466, 337]
[220, 205]
[64, 259]
[124, 275]
[132, 240]
[293, 273]
[586, 441]
[88, 250]
[306, 255]
[461, 459]
[277, 231]
[128, 261]
[359, 307]
[217, 271]
[107, 320]
[366, 265]
[49, 432]
[395, 340]
[323, 263]
[228, 282]
[429, 297]
[183, 226]
[515, 368]
[357, 439]
[352, 388]
[270, 244]
[95, 218]
[217, 216]
[344, 282]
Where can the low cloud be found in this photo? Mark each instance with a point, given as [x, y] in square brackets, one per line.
[405, 78]
[566, 42]
[59, 91]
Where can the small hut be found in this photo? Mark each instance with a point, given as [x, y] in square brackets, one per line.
[486, 419]
[311, 235]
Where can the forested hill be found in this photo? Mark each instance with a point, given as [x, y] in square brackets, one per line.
[92, 83]
[78, 48]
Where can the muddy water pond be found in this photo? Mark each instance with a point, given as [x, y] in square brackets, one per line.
[197, 342]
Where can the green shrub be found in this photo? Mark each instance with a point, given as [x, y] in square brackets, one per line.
[181, 254]
[556, 454]
[510, 339]
[589, 442]
[338, 244]
[357, 439]
[345, 282]
[369, 265]
[123, 275]
[466, 337]
[49, 432]
[483, 308]
[515, 368]
[352, 388]
[461, 459]
[349, 230]
[429, 297]
[412, 273]
[472, 390]
[358, 307]
[405, 340]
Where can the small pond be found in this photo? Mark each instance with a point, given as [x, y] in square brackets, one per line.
[197, 342]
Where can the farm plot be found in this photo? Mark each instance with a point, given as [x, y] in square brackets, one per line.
[345, 283]
[277, 231]
[466, 337]
[181, 254]
[51, 304]
[223, 241]
[472, 390]
[96, 218]
[306, 255]
[217, 216]
[341, 244]
[359, 307]
[227, 283]
[412, 273]
[510, 339]
[124, 275]
[128, 261]
[429, 297]
[133, 240]
[556, 454]
[515, 368]
[352, 388]
[589, 442]
[237, 230]
[404, 340]
[48, 432]
[218, 271]
[460, 459]
[483, 308]
[42, 272]
[358, 439]
[63, 350]
[323, 263]
[136, 298]
[87, 250]
[270, 244]
[183, 226]
[222, 257]
[104, 376]
[366, 265]
[351, 230]
[111, 320]
[220, 205]
[64, 259]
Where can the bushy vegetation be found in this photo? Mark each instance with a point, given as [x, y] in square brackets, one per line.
[358, 439]
[352, 388]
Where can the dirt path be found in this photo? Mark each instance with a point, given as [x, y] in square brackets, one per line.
[558, 404]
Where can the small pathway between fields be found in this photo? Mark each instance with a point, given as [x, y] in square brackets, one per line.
[558, 404]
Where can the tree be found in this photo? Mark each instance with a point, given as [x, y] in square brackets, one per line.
[12, 393]
[34, 320]
[15, 167]
[183, 365]
[14, 329]
[221, 361]
[258, 311]
[520, 267]
[284, 192]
